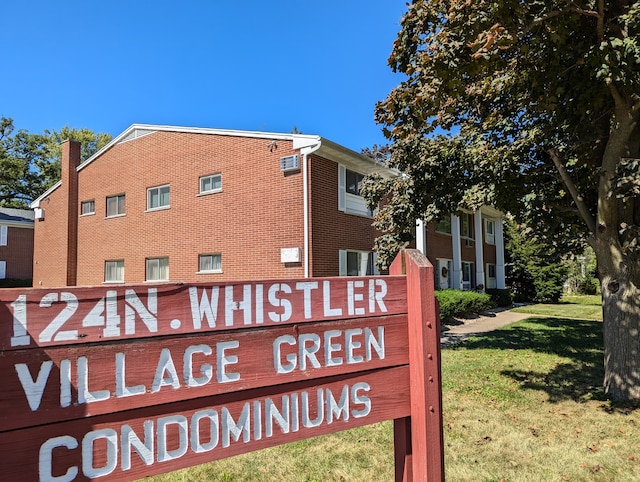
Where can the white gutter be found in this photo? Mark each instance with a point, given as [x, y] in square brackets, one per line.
[305, 151]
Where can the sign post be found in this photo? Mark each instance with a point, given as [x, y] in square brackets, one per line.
[130, 381]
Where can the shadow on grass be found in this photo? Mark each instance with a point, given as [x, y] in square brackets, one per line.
[580, 341]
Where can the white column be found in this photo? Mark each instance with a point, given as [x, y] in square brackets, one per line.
[457, 253]
[421, 236]
[499, 239]
[477, 225]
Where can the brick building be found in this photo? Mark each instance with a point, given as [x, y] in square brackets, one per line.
[16, 243]
[188, 204]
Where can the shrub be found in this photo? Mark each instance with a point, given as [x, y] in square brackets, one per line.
[501, 297]
[460, 304]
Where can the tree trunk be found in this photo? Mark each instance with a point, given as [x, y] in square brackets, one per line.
[621, 314]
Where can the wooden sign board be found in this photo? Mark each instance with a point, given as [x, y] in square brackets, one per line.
[124, 382]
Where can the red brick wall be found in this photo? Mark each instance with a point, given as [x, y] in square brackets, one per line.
[18, 253]
[258, 212]
[50, 243]
[332, 229]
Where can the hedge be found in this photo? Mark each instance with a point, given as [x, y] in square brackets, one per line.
[460, 304]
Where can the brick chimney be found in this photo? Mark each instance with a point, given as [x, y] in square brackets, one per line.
[70, 162]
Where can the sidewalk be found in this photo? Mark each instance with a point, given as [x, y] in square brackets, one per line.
[462, 329]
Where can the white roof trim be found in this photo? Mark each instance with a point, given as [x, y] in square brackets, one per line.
[328, 148]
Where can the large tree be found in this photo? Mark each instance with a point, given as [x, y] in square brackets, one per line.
[540, 102]
[30, 163]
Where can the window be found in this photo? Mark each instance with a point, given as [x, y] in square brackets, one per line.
[212, 183]
[114, 271]
[87, 207]
[489, 231]
[210, 263]
[444, 225]
[349, 199]
[466, 225]
[354, 182]
[3, 235]
[468, 276]
[357, 263]
[3, 269]
[158, 197]
[157, 269]
[115, 205]
[491, 276]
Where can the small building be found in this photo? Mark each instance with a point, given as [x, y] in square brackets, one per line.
[16, 243]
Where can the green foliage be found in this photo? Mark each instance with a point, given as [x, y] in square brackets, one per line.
[503, 298]
[537, 272]
[30, 163]
[582, 273]
[461, 304]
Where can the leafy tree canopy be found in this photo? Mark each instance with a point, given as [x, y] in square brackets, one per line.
[539, 101]
[30, 163]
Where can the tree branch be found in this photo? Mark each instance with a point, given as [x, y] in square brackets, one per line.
[573, 190]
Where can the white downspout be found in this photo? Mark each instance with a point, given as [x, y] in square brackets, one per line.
[305, 151]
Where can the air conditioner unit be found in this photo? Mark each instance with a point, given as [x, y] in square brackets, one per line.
[38, 213]
[289, 163]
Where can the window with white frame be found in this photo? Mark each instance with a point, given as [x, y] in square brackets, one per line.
[115, 205]
[444, 225]
[157, 269]
[466, 225]
[349, 199]
[210, 184]
[491, 276]
[114, 271]
[87, 207]
[210, 263]
[468, 275]
[3, 235]
[3, 269]
[489, 231]
[357, 263]
[158, 197]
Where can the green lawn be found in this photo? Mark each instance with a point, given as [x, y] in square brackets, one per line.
[584, 307]
[522, 403]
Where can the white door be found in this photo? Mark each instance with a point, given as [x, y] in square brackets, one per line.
[444, 274]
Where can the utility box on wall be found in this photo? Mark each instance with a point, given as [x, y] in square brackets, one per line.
[290, 255]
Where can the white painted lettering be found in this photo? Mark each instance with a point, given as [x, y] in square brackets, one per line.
[182, 425]
[353, 297]
[361, 399]
[377, 296]
[281, 417]
[308, 352]
[33, 389]
[330, 348]
[65, 383]
[84, 395]
[122, 390]
[110, 437]
[206, 369]
[165, 365]
[45, 460]
[306, 287]
[277, 357]
[196, 444]
[371, 343]
[232, 429]
[326, 301]
[205, 309]
[352, 345]
[147, 314]
[231, 305]
[277, 302]
[222, 360]
[129, 439]
[336, 409]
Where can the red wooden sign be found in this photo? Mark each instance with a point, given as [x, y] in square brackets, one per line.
[120, 383]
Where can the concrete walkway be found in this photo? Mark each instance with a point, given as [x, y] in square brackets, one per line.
[462, 329]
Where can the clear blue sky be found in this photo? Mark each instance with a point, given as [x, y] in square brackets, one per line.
[265, 65]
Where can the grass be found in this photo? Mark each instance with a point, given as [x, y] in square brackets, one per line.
[522, 403]
[583, 307]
